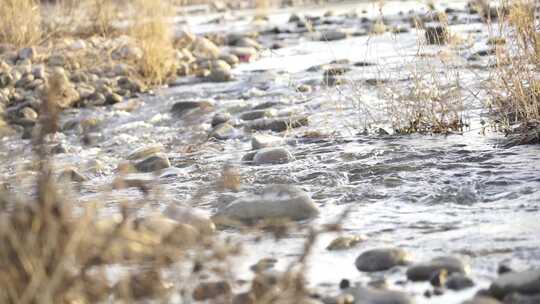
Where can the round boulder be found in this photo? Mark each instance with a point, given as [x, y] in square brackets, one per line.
[381, 259]
[276, 201]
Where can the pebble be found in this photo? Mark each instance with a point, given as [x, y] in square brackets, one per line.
[272, 155]
[276, 201]
[425, 271]
[381, 259]
[153, 163]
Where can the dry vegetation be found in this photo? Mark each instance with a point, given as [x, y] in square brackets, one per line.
[20, 22]
[515, 92]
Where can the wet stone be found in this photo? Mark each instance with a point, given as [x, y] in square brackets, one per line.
[276, 201]
[278, 124]
[182, 107]
[333, 35]
[153, 163]
[224, 131]
[220, 118]
[143, 152]
[425, 271]
[276, 155]
[525, 282]
[219, 75]
[381, 259]
[256, 114]
[259, 141]
[458, 281]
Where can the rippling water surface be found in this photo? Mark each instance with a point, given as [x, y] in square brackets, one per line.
[460, 194]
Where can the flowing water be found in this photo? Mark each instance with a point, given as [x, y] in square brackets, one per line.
[458, 194]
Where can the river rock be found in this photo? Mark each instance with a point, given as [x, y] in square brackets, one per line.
[130, 84]
[458, 281]
[39, 71]
[220, 118]
[219, 75]
[224, 131]
[182, 107]
[190, 216]
[276, 201]
[366, 295]
[260, 141]
[256, 114]
[278, 124]
[146, 151]
[333, 35]
[425, 271]
[168, 231]
[272, 155]
[153, 163]
[525, 282]
[204, 48]
[27, 53]
[381, 259]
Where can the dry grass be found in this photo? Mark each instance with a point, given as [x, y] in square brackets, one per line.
[20, 22]
[515, 89]
[153, 34]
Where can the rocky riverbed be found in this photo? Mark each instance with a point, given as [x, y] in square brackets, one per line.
[287, 117]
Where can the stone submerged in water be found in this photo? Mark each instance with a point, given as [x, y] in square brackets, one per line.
[458, 281]
[366, 295]
[271, 156]
[425, 271]
[182, 107]
[224, 131]
[525, 282]
[279, 124]
[381, 259]
[276, 201]
[153, 163]
[259, 141]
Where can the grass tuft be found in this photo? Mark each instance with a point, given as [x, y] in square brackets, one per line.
[20, 22]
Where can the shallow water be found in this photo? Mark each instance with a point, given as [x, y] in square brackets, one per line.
[460, 194]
